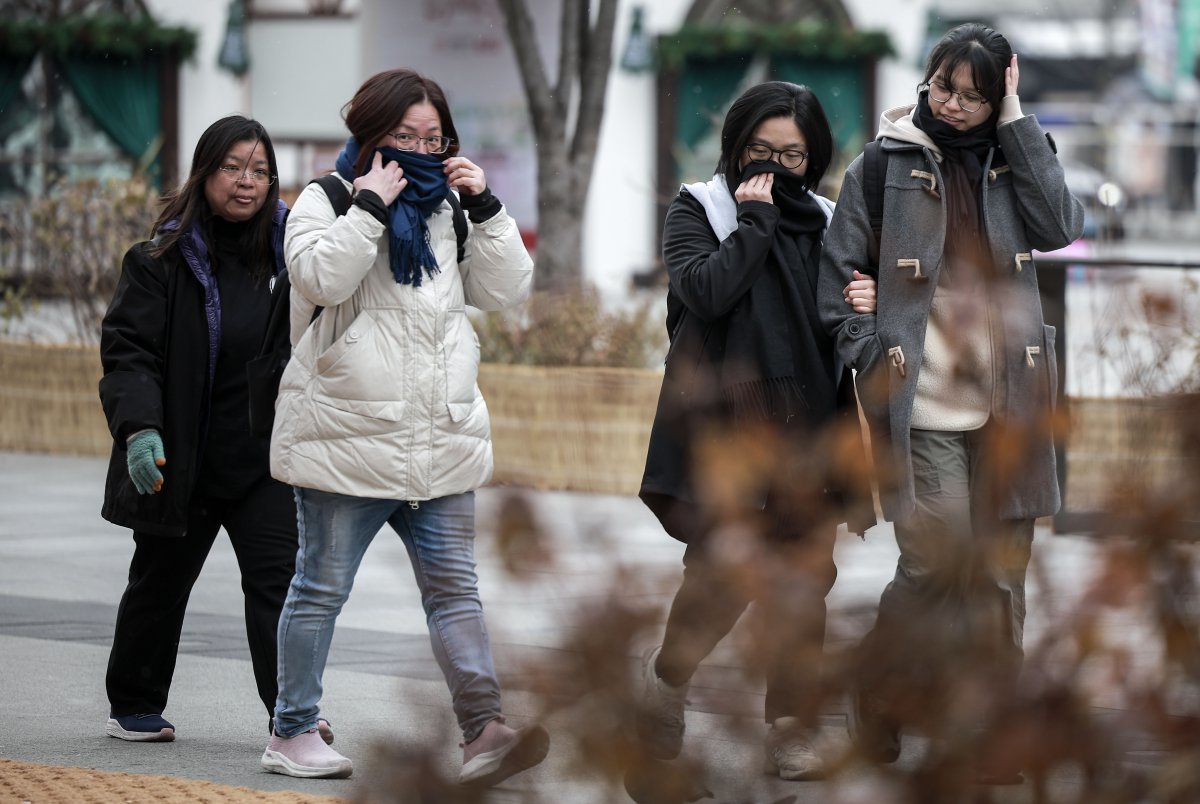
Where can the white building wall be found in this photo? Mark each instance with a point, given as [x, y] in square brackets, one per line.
[621, 230]
[298, 91]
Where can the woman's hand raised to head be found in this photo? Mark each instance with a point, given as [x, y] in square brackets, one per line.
[1011, 76]
[756, 188]
[464, 175]
[386, 181]
[860, 293]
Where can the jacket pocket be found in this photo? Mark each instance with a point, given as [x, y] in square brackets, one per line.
[357, 333]
[335, 418]
[872, 381]
[460, 362]
[1049, 336]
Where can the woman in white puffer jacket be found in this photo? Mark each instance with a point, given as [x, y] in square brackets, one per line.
[379, 419]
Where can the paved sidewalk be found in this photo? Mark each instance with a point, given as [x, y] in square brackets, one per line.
[62, 571]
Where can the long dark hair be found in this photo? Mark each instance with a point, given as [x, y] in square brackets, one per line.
[986, 52]
[189, 205]
[776, 99]
[382, 100]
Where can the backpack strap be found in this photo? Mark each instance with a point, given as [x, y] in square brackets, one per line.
[874, 178]
[340, 198]
[460, 224]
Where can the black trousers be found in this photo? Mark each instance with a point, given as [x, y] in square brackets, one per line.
[262, 528]
[785, 567]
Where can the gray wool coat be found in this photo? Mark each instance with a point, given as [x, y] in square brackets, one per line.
[1026, 206]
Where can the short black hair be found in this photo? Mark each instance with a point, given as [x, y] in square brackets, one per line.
[776, 99]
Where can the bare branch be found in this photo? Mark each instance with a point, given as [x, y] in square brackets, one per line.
[597, 61]
[574, 16]
[523, 38]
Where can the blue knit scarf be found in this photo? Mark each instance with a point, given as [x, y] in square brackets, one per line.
[407, 228]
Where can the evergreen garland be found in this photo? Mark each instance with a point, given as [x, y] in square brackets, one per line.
[95, 36]
[808, 39]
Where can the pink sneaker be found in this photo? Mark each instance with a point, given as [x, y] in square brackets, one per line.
[307, 756]
[499, 752]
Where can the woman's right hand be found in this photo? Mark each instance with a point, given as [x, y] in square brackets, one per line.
[756, 188]
[386, 181]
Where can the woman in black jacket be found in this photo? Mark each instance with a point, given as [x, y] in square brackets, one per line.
[189, 310]
[743, 456]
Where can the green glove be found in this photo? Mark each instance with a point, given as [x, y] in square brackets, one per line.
[144, 452]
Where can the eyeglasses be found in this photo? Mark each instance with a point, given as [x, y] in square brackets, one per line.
[789, 159]
[236, 172]
[967, 101]
[409, 142]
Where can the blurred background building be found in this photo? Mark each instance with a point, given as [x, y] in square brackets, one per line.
[113, 88]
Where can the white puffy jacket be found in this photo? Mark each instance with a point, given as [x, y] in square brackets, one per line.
[380, 396]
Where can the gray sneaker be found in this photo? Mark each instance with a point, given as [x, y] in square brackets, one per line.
[660, 717]
[792, 752]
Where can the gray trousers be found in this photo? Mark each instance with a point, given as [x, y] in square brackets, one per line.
[951, 622]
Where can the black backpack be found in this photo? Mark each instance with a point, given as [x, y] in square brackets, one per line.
[874, 177]
[264, 372]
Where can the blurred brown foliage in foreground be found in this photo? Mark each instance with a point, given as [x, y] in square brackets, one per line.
[1102, 714]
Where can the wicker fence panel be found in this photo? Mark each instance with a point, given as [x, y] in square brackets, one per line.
[49, 399]
[584, 429]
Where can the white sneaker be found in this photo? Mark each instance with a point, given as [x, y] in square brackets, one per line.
[307, 756]
[791, 752]
[660, 722]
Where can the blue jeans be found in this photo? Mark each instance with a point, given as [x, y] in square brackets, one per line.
[335, 531]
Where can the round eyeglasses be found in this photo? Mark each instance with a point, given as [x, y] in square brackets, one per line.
[409, 142]
[235, 173]
[790, 159]
[967, 101]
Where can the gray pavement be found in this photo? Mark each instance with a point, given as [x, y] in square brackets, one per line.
[62, 571]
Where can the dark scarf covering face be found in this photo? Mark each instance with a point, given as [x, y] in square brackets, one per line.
[964, 155]
[778, 360]
[409, 249]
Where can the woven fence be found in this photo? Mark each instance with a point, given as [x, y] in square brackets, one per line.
[584, 429]
[558, 428]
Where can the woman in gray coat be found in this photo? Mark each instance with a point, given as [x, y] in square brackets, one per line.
[956, 374]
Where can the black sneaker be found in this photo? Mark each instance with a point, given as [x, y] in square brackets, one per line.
[150, 728]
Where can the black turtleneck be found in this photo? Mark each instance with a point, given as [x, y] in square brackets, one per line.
[234, 459]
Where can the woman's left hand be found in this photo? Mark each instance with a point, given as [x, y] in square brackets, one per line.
[860, 293]
[464, 175]
[1011, 76]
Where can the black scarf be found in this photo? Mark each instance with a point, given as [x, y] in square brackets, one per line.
[778, 360]
[964, 154]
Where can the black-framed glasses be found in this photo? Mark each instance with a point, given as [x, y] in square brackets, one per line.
[790, 159]
[409, 142]
[967, 101]
[235, 173]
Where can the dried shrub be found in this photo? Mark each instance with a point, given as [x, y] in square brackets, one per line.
[573, 329]
[69, 245]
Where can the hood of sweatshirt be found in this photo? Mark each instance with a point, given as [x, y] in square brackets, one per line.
[897, 124]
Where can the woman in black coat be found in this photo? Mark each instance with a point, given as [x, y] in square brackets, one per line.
[746, 449]
[189, 310]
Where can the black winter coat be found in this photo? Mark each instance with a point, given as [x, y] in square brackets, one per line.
[690, 399]
[157, 347]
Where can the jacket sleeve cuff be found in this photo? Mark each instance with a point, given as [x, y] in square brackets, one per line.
[1010, 110]
[369, 201]
[482, 207]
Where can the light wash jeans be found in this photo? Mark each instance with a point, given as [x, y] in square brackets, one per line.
[335, 531]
